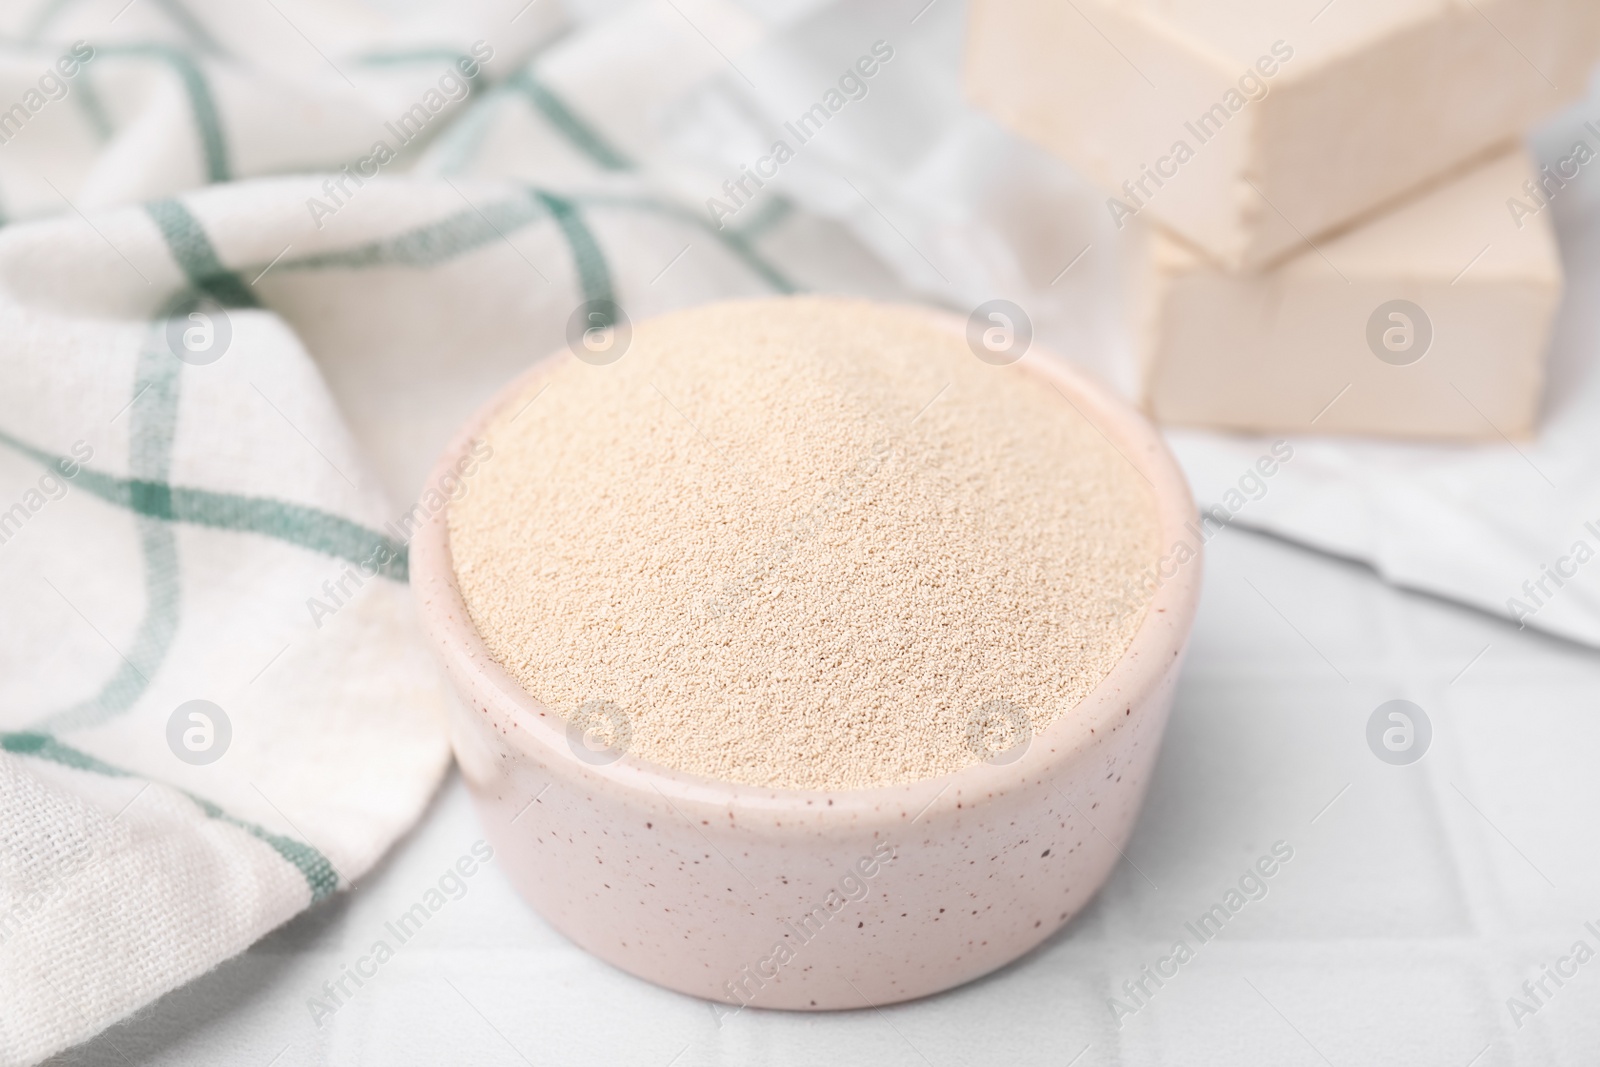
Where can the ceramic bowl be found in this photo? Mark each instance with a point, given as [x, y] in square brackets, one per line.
[800, 899]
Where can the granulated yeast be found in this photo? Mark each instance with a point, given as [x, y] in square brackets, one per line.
[802, 543]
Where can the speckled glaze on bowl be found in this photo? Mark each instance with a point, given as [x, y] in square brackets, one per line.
[816, 900]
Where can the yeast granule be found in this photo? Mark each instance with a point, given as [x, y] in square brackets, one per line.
[806, 543]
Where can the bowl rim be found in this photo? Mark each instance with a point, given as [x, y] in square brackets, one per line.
[537, 731]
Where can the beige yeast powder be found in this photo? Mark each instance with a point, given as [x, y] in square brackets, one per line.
[806, 543]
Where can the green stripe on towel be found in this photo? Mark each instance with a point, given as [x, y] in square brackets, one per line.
[202, 105]
[152, 425]
[593, 273]
[195, 255]
[304, 527]
[582, 136]
[430, 244]
[317, 870]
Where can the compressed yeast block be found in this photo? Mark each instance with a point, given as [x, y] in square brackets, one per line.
[1429, 321]
[1245, 126]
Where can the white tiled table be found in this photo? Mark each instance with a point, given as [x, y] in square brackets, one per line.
[1416, 903]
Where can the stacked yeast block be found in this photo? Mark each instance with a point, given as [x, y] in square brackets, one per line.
[1248, 144]
[1429, 321]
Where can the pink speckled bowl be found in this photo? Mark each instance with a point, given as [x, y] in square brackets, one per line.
[816, 900]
